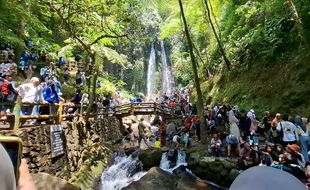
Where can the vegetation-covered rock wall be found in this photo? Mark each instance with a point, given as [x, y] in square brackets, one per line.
[83, 145]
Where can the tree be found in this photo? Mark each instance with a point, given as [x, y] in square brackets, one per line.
[92, 25]
[193, 61]
[227, 62]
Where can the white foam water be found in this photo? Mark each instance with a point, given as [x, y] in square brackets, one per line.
[166, 164]
[121, 173]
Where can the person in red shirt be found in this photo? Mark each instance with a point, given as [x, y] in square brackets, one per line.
[188, 123]
[196, 126]
[171, 104]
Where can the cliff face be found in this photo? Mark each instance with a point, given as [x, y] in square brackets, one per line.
[278, 87]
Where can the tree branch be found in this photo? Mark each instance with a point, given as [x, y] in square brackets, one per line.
[107, 36]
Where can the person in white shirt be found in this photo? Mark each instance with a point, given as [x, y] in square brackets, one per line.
[1, 68]
[175, 141]
[30, 93]
[289, 131]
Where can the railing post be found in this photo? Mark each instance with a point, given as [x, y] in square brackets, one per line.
[131, 108]
[60, 109]
[16, 111]
[95, 111]
[81, 112]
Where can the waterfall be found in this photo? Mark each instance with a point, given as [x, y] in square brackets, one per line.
[122, 172]
[165, 163]
[151, 72]
[166, 79]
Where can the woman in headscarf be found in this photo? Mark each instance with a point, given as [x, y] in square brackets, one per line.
[303, 135]
[234, 129]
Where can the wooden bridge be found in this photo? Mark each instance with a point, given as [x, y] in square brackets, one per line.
[61, 114]
[143, 109]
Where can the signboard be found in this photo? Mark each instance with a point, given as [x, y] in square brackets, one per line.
[57, 140]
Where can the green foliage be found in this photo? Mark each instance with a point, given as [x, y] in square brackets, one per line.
[107, 88]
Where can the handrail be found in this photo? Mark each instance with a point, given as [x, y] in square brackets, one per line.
[61, 111]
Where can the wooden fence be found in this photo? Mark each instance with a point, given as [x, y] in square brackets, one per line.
[61, 112]
[57, 114]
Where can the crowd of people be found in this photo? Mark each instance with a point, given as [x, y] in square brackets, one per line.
[281, 142]
[36, 88]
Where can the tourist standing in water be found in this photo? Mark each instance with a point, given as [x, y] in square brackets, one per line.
[141, 128]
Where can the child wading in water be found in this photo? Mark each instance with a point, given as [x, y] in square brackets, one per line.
[132, 138]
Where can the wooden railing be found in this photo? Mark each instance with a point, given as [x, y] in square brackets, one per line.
[61, 113]
[142, 109]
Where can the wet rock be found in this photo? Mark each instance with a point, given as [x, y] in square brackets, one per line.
[233, 174]
[219, 170]
[193, 158]
[172, 155]
[150, 158]
[206, 161]
[48, 182]
[179, 170]
[129, 151]
[156, 179]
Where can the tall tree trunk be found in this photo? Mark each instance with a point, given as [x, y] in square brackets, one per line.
[299, 23]
[227, 62]
[93, 86]
[21, 35]
[215, 20]
[194, 63]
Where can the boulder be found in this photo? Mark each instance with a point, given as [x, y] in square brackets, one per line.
[205, 161]
[150, 158]
[156, 179]
[219, 170]
[44, 181]
[193, 158]
[233, 174]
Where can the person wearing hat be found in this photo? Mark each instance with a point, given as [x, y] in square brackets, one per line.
[294, 156]
[293, 161]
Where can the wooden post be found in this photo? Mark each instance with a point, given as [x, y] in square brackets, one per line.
[155, 108]
[95, 111]
[16, 111]
[132, 109]
[60, 109]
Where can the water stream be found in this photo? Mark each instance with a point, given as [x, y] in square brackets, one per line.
[166, 72]
[151, 72]
[123, 171]
[167, 165]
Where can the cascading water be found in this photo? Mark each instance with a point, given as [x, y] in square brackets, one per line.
[151, 72]
[166, 164]
[166, 80]
[123, 172]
